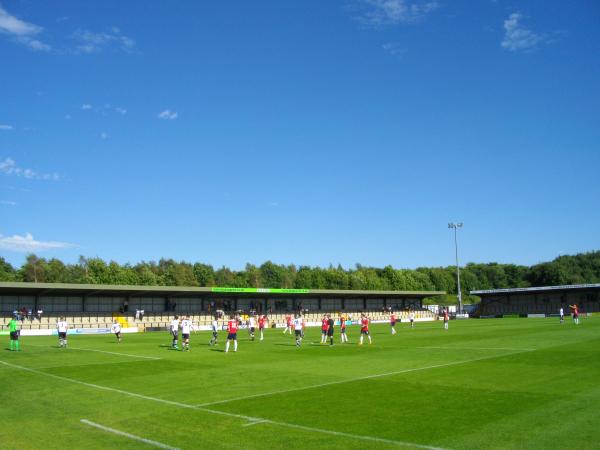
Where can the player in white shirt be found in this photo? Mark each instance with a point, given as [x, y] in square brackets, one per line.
[298, 325]
[61, 327]
[411, 318]
[215, 332]
[175, 331]
[251, 325]
[116, 329]
[186, 329]
[562, 315]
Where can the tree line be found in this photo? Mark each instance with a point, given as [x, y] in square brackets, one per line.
[573, 269]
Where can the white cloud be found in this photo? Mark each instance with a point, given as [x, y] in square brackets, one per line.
[8, 203]
[10, 167]
[167, 114]
[10, 24]
[104, 110]
[27, 243]
[517, 37]
[92, 42]
[393, 12]
[21, 31]
[35, 44]
[6, 127]
[393, 48]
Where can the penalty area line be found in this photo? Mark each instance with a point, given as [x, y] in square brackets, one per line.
[100, 351]
[509, 349]
[250, 419]
[114, 353]
[351, 380]
[128, 435]
[254, 422]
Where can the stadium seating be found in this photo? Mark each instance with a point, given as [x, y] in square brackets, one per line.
[163, 319]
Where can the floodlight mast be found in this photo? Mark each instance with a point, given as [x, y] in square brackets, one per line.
[456, 226]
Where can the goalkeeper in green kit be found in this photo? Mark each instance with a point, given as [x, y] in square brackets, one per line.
[13, 328]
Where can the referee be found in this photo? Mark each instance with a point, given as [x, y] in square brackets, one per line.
[330, 323]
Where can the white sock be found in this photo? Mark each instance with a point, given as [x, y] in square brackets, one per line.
[227, 347]
[369, 339]
[361, 339]
[235, 346]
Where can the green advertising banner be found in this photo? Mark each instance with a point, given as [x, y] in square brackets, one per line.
[260, 290]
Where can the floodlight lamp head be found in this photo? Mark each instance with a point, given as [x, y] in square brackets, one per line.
[459, 225]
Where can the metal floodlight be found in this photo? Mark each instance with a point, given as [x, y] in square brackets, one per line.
[456, 226]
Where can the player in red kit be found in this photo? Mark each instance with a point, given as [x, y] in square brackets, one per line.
[288, 324]
[343, 329]
[575, 311]
[262, 320]
[324, 327]
[364, 329]
[232, 327]
[393, 323]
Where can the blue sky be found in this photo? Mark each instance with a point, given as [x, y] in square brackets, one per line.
[304, 132]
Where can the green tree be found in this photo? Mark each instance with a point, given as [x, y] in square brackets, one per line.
[7, 271]
[225, 277]
[34, 269]
[253, 276]
[272, 275]
[177, 274]
[56, 272]
[204, 274]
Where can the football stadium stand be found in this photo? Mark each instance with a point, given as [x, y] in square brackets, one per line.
[545, 300]
[98, 306]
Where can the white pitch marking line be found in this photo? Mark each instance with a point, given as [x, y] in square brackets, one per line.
[356, 436]
[128, 435]
[102, 351]
[97, 386]
[254, 422]
[114, 353]
[512, 349]
[223, 413]
[350, 380]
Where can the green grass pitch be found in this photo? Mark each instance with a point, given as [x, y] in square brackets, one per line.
[501, 383]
